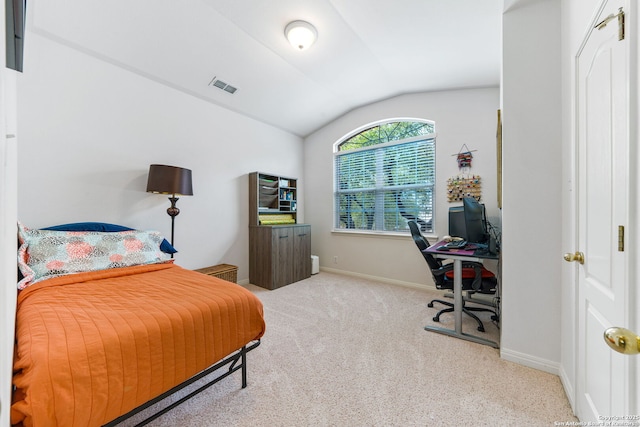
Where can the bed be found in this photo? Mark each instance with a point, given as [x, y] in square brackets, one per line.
[94, 345]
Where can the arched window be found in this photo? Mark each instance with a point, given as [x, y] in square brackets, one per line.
[385, 176]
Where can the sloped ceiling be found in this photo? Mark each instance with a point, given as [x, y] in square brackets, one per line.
[367, 50]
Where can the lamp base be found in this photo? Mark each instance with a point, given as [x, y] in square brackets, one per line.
[173, 211]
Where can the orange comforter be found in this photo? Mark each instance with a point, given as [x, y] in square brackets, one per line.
[92, 346]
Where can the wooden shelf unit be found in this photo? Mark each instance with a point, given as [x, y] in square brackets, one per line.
[271, 195]
[279, 247]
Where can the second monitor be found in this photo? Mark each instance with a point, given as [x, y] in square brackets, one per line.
[469, 221]
[475, 221]
[457, 227]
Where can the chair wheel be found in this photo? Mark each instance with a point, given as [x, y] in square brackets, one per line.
[481, 328]
[436, 319]
[494, 318]
[430, 305]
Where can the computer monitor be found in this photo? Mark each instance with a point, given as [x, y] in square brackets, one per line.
[457, 226]
[475, 221]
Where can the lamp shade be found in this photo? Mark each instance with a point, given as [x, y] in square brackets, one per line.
[165, 179]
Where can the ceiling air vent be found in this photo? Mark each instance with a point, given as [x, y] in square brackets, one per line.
[216, 82]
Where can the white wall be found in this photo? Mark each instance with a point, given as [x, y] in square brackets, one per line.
[461, 117]
[532, 183]
[90, 130]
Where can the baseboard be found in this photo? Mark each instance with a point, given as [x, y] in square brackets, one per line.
[530, 361]
[244, 282]
[421, 286]
[568, 388]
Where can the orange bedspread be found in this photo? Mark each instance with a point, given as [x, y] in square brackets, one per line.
[92, 346]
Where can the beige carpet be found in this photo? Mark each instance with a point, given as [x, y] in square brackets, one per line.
[342, 351]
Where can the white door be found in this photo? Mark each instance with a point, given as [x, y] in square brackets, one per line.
[8, 219]
[603, 377]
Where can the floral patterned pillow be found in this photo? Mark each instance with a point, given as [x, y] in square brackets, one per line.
[46, 253]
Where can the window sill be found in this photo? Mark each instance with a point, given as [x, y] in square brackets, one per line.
[380, 234]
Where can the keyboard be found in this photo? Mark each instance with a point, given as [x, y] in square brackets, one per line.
[456, 244]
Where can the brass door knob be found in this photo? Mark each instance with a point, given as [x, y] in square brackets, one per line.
[622, 340]
[578, 256]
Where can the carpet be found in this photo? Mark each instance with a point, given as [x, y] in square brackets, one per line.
[345, 351]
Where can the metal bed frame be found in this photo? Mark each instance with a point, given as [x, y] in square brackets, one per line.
[231, 360]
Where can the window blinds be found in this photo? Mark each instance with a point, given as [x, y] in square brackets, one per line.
[382, 187]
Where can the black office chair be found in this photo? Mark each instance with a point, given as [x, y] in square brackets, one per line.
[475, 279]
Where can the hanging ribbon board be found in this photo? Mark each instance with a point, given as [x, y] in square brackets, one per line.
[461, 186]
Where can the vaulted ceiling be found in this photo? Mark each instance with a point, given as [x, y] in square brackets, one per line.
[367, 50]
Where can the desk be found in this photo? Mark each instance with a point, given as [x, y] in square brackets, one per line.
[458, 256]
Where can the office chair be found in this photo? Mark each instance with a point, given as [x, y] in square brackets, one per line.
[475, 279]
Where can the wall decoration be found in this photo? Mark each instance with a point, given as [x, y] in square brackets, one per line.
[464, 186]
[464, 157]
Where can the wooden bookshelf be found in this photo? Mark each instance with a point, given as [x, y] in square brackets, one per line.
[272, 198]
[279, 247]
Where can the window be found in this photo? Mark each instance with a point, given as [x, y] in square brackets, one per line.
[385, 176]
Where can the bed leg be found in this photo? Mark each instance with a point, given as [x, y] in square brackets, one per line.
[244, 367]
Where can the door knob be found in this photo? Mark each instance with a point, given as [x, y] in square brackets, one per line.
[622, 340]
[577, 256]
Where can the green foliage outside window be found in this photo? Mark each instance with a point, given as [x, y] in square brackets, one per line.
[394, 131]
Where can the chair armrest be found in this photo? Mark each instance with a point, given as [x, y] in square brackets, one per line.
[477, 267]
[439, 277]
[442, 270]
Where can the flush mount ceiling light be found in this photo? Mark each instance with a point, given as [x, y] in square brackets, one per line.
[300, 34]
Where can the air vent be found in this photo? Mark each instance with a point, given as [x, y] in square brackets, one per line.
[216, 82]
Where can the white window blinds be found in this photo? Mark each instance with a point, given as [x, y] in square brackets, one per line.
[381, 187]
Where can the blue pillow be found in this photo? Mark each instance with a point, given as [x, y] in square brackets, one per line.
[165, 246]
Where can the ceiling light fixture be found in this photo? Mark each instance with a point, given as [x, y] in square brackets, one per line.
[300, 34]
